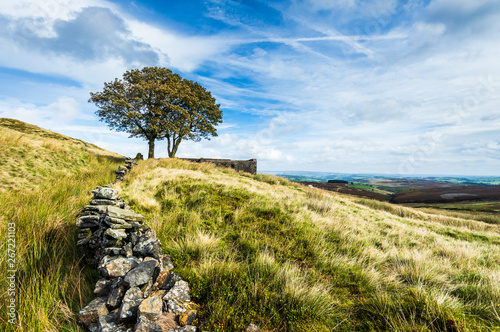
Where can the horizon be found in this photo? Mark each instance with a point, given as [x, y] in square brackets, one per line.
[361, 87]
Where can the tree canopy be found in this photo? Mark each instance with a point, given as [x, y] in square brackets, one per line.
[154, 103]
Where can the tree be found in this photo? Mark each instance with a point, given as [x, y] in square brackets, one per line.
[155, 104]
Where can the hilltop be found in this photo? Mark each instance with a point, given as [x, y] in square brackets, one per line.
[254, 248]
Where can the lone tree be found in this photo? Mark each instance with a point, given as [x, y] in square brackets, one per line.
[155, 104]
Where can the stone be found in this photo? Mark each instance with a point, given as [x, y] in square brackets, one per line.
[88, 221]
[116, 295]
[127, 215]
[178, 306]
[187, 317]
[90, 314]
[105, 192]
[252, 328]
[84, 233]
[160, 280]
[97, 209]
[140, 274]
[119, 223]
[118, 234]
[167, 321]
[170, 281]
[151, 308]
[148, 245]
[118, 267]
[103, 287]
[166, 262]
[131, 300]
[187, 328]
[127, 250]
[145, 325]
[110, 323]
[147, 288]
[112, 251]
[102, 201]
[179, 292]
[139, 156]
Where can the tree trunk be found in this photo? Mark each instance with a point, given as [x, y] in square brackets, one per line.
[151, 153]
[172, 153]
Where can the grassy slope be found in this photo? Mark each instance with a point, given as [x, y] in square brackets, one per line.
[290, 258]
[44, 182]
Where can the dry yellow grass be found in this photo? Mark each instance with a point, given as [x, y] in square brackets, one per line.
[402, 259]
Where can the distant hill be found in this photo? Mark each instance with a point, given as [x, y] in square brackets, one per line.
[30, 154]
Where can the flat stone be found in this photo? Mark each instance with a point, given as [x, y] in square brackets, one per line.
[151, 308]
[187, 317]
[103, 287]
[90, 314]
[105, 192]
[140, 274]
[101, 201]
[131, 300]
[145, 325]
[127, 215]
[167, 321]
[118, 234]
[118, 267]
[88, 221]
[98, 209]
[120, 223]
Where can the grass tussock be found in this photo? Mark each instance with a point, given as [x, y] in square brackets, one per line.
[290, 258]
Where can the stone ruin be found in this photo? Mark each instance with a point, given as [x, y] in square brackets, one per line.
[248, 166]
[137, 290]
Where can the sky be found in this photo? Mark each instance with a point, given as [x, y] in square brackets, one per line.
[345, 86]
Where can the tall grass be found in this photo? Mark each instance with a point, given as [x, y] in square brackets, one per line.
[290, 258]
[51, 284]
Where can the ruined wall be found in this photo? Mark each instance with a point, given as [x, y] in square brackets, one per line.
[137, 291]
[248, 166]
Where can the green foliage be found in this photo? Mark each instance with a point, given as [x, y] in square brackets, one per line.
[154, 104]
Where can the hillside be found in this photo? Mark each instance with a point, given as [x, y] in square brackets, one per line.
[291, 258]
[44, 182]
[30, 154]
[254, 248]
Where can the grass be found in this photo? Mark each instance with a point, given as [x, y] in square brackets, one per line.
[51, 284]
[289, 258]
[30, 154]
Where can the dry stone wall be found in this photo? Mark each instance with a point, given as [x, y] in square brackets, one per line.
[248, 166]
[137, 291]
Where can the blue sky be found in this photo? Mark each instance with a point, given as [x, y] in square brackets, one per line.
[382, 86]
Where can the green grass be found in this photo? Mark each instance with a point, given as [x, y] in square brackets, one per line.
[290, 258]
